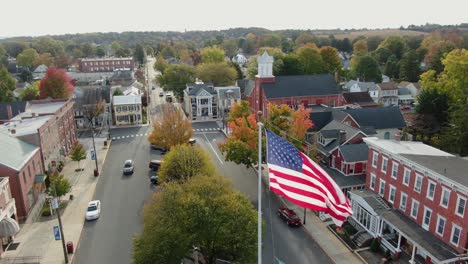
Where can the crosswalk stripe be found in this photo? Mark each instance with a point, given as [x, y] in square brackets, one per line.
[113, 138]
[128, 136]
[141, 135]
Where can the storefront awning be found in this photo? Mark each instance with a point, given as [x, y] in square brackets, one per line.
[8, 227]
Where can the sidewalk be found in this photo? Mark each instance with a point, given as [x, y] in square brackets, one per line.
[333, 247]
[37, 239]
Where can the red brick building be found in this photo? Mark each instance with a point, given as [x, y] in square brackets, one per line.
[21, 163]
[423, 195]
[291, 90]
[350, 159]
[105, 64]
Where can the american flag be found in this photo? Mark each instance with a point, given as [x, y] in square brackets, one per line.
[302, 181]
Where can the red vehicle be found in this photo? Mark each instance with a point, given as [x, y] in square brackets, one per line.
[405, 107]
[289, 216]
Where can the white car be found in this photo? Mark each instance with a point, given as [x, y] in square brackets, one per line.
[94, 210]
[128, 167]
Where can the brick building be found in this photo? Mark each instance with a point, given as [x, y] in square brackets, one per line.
[291, 90]
[105, 64]
[21, 163]
[416, 201]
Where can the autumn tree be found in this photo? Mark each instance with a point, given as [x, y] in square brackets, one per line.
[212, 54]
[183, 162]
[270, 40]
[360, 47]
[396, 44]
[300, 124]
[205, 212]
[310, 60]
[30, 92]
[59, 185]
[27, 58]
[331, 59]
[78, 153]
[220, 74]
[7, 85]
[175, 77]
[94, 105]
[44, 58]
[304, 39]
[279, 118]
[230, 46]
[55, 84]
[161, 64]
[171, 128]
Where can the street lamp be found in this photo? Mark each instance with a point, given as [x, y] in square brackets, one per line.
[96, 171]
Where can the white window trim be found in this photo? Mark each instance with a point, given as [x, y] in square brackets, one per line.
[453, 231]
[459, 197]
[373, 176]
[439, 217]
[404, 176]
[380, 187]
[423, 225]
[444, 189]
[418, 176]
[375, 159]
[390, 194]
[429, 182]
[413, 202]
[384, 161]
[394, 169]
[401, 200]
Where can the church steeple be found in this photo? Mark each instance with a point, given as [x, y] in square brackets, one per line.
[265, 66]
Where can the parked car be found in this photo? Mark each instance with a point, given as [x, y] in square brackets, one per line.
[128, 167]
[161, 94]
[94, 210]
[154, 179]
[155, 164]
[289, 216]
[160, 148]
[405, 107]
[192, 141]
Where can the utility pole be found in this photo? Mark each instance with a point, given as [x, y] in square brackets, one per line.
[62, 236]
[96, 172]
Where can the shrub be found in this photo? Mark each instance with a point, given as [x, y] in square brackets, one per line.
[375, 245]
[349, 230]
[45, 210]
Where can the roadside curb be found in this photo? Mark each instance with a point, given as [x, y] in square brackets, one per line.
[77, 246]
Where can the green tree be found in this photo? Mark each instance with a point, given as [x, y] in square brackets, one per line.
[161, 63]
[212, 54]
[7, 85]
[78, 153]
[3, 57]
[305, 38]
[373, 42]
[30, 92]
[360, 47]
[409, 66]
[455, 137]
[331, 59]
[139, 54]
[59, 185]
[26, 75]
[291, 65]
[432, 101]
[220, 74]
[100, 52]
[310, 60]
[367, 69]
[117, 92]
[27, 58]
[204, 212]
[396, 44]
[392, 67]
[230, 46]
[175, 77]
[382, 55]
[270, 40]
[184, 162]
[168, 51]
[87, 49]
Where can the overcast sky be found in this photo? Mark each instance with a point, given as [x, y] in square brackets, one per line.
[32, 17]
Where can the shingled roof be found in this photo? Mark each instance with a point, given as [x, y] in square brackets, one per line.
[379, 118]
[354, 152]
[301, 85]
[360, 98]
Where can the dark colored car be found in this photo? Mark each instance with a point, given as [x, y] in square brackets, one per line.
[154, 179]
[155, 164]
[160, 148]
[289, 216]
[161, 94]
[192, 141]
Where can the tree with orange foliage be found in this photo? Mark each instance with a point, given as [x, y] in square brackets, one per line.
[300, 124]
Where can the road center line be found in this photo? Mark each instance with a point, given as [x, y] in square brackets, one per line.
[211, 146]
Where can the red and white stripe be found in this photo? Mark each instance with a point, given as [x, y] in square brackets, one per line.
[312, 189]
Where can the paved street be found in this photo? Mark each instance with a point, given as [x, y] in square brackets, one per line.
[109, 239]
[290, 245]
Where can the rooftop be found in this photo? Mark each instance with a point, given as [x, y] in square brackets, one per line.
[19, 152]
[106, 59]
[379, 117]
[301, 85]
[126, 99]
[346, 181]
[44, 107]
[16, 108]
[388, 86]
[25, 126]
[354, 152]
[359, 98]
[405, 147]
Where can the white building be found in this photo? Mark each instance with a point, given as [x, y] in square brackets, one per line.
[127, 110]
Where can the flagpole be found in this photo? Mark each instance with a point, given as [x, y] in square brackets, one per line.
[260, 125]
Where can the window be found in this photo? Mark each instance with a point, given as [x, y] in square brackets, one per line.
[414, 209]
[403, 201]
[418, 183]
[375, 156]
[391, 194]
[394, 170]
[431, 190]
[440, 225]
[427, 218]
[384, 164]
[387, 135]
[372, 181]
[24, 176]
[406, 177]
[455, 236]
[445, 197]
[382, 188]
[461, 203]
[118, 109]
[351, 168]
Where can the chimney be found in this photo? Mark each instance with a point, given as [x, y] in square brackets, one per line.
[342, 136]
[398, 136]
[9, 112]
[13, 131]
